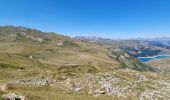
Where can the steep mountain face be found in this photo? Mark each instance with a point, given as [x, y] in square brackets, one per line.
[49, 66]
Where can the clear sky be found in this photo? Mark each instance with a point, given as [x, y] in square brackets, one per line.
[102, 18]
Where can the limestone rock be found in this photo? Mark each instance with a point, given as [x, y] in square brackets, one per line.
[3, 87]
[12, 96]
[60, 44]
[78, 89]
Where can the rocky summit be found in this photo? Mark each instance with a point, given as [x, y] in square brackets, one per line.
[36, 65]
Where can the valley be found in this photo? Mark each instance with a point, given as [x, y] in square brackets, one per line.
[37, 65]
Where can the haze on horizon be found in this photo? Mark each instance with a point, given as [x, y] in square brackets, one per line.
[101, 18]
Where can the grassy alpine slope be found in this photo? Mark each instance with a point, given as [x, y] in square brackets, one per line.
[48, 66]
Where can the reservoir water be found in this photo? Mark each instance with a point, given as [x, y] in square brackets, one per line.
[144, 59]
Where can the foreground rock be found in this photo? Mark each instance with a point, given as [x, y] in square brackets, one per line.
[12, 96]
[3, 87]
[121, 84]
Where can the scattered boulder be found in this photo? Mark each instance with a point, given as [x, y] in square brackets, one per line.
[40, 39]
[23, 33]
[60, 44]
[140, 77]
[77, 89]
[98, 92]
[30, 57]
[69, 84]
[3, 87]
[152, 95]
[12, 96]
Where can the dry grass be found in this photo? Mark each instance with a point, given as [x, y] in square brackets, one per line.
[51, 93]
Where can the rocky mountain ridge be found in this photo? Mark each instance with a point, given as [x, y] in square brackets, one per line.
[134, 47]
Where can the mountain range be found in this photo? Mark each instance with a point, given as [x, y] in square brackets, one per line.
[48, 66]
[135, 47]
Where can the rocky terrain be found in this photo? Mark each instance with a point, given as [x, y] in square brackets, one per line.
[111, 84]
[35, 65]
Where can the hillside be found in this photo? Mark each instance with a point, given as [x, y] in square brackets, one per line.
[49, 66]
[160, 42]
[50, 48]
[162, 64]
[136, 48]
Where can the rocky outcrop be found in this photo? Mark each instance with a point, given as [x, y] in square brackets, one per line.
[12, 96]
[3, 87]
[39, 81]
[152, 95]
[140, 77]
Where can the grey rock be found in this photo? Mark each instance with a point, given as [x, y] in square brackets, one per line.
[12, 96]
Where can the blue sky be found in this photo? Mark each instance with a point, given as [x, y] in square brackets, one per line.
[102, 18]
